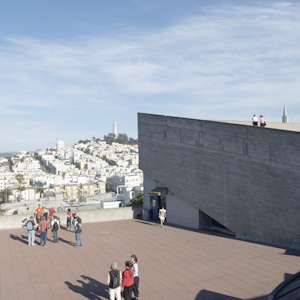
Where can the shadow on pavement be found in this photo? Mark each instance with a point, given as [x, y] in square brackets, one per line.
[22, 239]
[89, 288]
[66, 241]
[207, 295]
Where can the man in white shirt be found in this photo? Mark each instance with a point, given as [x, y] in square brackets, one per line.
[254, 120]
[162, 215]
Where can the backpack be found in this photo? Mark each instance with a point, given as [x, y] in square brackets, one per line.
[78, 228]
[114, 279]
[55, 226]
[29, 226]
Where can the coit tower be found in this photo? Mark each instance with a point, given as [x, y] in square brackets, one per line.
[115, 130]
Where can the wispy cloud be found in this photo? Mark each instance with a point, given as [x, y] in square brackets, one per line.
[220, 62]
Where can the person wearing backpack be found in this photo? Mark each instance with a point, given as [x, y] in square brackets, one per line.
[114, 281]
[31, 233]
[55, 226]
[78, 231]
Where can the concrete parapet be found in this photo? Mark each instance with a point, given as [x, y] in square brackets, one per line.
[87, 216]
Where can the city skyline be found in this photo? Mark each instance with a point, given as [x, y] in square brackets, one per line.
[71, 69]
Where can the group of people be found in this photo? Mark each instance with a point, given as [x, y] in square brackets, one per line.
[43, 226]
[126, 282]
[261, 120]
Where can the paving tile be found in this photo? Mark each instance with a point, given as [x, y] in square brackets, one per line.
[174, 264]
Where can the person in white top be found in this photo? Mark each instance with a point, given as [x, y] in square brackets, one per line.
[254, 120]
[162, 215]
[135, 269]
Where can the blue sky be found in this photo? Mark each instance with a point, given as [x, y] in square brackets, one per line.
[71, 68]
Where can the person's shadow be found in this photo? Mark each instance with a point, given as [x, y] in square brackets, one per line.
[22, 239]
[89, 288]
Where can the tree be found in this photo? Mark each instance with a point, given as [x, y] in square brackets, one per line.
[5, 193]
[40, 190]
[122, 138]
[137, 201]
[20, 179]
[20, 189]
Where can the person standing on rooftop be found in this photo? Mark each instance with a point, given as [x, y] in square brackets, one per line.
[254, 120]
[78, 231]
[69, 219]
[31, 233]
[114, 281]
[262, 121]
[43, 226]
[135, 268]
[55, 226]
[127, 281]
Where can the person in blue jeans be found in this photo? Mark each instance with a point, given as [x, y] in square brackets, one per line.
[43, 226]
[78, 231]
[55, 226]
[69, 219]
[31, 233]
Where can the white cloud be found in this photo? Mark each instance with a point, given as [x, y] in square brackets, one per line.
[234, 58]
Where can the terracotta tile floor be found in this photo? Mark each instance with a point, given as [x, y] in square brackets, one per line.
[174, 264]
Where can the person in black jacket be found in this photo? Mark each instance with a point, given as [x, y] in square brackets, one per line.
[114, 281]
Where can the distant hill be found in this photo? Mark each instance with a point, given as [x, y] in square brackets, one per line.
[7, 154]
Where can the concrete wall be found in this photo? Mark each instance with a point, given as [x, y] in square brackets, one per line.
[247, 178]
[87, 216]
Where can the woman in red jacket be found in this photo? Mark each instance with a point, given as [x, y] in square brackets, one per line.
[127, 281]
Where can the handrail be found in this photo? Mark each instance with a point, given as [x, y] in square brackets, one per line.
[279, 293]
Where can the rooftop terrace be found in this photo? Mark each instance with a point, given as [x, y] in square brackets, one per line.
[174, 264]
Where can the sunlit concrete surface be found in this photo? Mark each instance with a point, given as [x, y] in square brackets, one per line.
[174, 264]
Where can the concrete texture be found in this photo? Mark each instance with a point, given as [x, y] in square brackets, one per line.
[174, 264]
[246, 178]
[95, 215]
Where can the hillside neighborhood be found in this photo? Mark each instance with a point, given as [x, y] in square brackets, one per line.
[91, 174]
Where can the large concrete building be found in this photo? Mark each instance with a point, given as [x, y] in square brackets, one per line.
[243, 178]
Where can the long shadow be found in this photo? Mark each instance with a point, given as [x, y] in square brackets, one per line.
[227, 235]
[66, 241]
[23, 240]
[208, 295]
[292, 252]
[146, 223]
[89, 288]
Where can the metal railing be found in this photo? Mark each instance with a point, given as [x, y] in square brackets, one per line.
[287, 290]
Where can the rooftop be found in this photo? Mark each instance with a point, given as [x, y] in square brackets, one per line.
[174, 264]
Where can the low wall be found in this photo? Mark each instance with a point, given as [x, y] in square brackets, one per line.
[87, 216]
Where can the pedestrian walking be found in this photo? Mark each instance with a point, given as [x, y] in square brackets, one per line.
[78, 231]
[114, 281]
[55, 227]
[43, 226]
[162, 216]
[127, 281]
[30, 229]
[135, 268]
